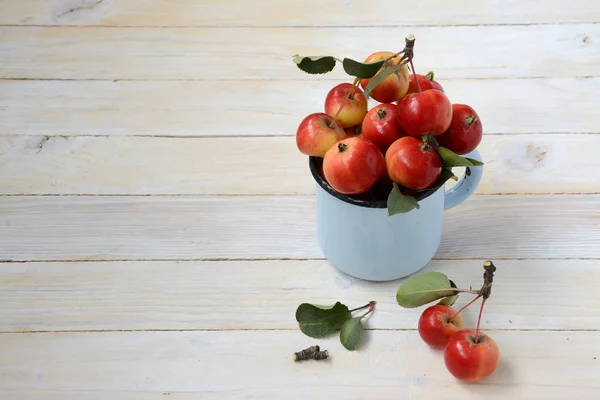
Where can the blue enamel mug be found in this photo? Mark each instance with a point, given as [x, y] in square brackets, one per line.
[358, 237]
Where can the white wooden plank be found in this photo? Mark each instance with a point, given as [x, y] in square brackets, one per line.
[295, 13]
[143, 295]
[219, 53]
[536, 163]
[268, 107]
[207, 227]
[254, 364]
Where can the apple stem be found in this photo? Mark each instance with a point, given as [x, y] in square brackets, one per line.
[415, 74]
[362, 307]
[371, 308]
[479, 319]
[470, 120]
[430, 76]
[467, 305]
[396, 55]
[349, 96]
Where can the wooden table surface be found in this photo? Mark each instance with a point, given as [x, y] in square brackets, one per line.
[157, 223]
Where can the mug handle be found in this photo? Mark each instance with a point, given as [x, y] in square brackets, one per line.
[466, 185]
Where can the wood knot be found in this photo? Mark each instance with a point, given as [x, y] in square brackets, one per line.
[587, 40]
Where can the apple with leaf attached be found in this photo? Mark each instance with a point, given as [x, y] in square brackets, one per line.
[469, 354]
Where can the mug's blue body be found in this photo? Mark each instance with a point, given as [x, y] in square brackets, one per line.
[362, 240]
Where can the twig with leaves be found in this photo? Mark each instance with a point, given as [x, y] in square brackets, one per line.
[318, 321]
[428, 287]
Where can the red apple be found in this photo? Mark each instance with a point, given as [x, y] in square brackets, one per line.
[426, 112]
[470, 361]
[437, 324]
[353, 165]
[355, 108]
[317, 133]
[465, 131]
[395, 86]
[412, 163]
[381, 125]
[427, 82]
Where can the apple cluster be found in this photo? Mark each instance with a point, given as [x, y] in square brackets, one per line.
[395, 140]
[469, 355]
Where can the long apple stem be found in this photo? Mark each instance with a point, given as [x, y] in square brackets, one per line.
[350, 94]
[361, 308]
[467, 305]
[397, 54]
[479, 319]
[371, 308]
[415, 74]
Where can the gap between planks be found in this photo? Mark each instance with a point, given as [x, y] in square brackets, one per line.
[41, 165]
[258, 136]
[301, 26]
[41, 332]
[226, 259]
[264, 195]
[184, 109]
[192, 296]
[244, 79]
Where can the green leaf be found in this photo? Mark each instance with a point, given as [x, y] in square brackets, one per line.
[319, 321]
[398, 203]
[451, 159]
[377, 79]
[474, 161]
[450, 300]
[446, 175]
[361, 70]
[351, 333]
[315, 64]
[424, 288]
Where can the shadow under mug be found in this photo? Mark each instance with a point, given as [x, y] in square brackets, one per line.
[358, 237]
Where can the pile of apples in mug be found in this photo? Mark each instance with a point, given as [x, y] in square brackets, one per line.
[408, 142]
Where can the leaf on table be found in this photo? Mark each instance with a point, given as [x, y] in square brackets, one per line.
[450, 300]
[451, 159]
[314, 64]
[424, 288]
[361, 70]
[398, 203]
[319, 321]
[351, 333]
